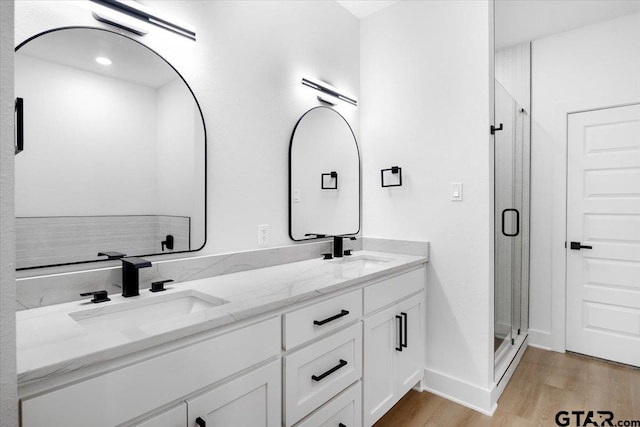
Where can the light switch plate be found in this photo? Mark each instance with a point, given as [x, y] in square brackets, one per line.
[456, 191]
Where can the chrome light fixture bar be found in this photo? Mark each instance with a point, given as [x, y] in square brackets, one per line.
[142, 13]
[324, 88]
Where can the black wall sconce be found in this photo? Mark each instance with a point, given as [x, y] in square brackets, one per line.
[395, 170]
[138, 12]
[328, 93]
[333, 175]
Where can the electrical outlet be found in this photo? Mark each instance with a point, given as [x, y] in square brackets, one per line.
[263, 234]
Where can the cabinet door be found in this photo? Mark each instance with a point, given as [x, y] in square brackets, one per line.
[252, 400]
[174, 417]
[410, 362]
[380, 342]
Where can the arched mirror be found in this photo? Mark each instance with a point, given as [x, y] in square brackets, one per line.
[114, 151]
[324, 176]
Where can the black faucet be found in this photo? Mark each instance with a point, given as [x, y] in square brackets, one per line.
[338, 245]
[130, 282]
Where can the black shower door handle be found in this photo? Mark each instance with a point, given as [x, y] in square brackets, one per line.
[19, 118]
[517, 222]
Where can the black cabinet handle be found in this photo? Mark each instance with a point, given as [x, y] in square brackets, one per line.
[406, 326]
[341, 425]
[517, 222]
[331, 319]
[200, 422]
[399, 348]
[494, 129]
[19, 118]
[577, 246]
[330, 371]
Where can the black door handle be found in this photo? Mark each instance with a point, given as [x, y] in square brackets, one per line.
[577, 246]
[330, 371]
[331, 319]
[494, 129]
[406, 324]
[399, 348]
[200, 422]
[517, 222]
[19, 117]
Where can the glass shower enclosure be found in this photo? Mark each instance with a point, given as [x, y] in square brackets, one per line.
[511, 189]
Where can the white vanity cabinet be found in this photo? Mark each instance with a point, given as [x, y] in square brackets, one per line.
[393, 355]
[123, 395]
[174, 417]
[252, 400]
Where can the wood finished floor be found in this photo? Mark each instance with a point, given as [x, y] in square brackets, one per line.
[544, 383]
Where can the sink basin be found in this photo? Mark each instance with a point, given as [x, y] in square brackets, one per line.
[363, 261]
[148, 311]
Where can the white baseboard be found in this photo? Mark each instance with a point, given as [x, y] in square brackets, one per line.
[459, 391]
[540, 339]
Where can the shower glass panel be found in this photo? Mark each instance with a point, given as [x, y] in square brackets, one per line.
[512, 180]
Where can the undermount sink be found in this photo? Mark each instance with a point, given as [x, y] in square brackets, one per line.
[149, 311]
[363, 261]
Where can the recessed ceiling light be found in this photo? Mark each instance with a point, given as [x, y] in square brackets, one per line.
[103, 61]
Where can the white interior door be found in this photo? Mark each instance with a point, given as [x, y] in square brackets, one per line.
[603, 211]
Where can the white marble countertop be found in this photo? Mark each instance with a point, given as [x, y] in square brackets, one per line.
[50, 341]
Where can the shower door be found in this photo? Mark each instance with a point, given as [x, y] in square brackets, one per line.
[511, 189]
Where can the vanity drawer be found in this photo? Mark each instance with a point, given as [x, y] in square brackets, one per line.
[315, 320]
[127, 393]
[316, 373]
[345, 410]
[393, 289]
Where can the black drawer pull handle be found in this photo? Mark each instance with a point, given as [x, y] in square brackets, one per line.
[406, 324]
[330, 371]
[201, 422]
[331, 319]
[399, 348]
[341, 425]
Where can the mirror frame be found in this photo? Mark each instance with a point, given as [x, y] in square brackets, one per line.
[355, 141]
[204, 128]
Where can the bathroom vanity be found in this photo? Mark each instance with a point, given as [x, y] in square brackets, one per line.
[317, 342]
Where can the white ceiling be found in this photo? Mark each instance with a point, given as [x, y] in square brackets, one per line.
[363, 8]
[79, 47]
[518, 21]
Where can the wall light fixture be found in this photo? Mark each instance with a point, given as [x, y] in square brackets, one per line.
[131, 9]
[328, 93]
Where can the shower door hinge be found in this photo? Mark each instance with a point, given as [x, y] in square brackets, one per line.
[513, 341]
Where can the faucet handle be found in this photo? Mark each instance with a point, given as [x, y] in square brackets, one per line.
[159, 286]
[98, 296]
[112, 254]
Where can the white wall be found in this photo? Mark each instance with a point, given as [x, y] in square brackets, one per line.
[592, 67]
[425, 91]
[245, 68]
[50, 179]
[180, 178]
[8, 388]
